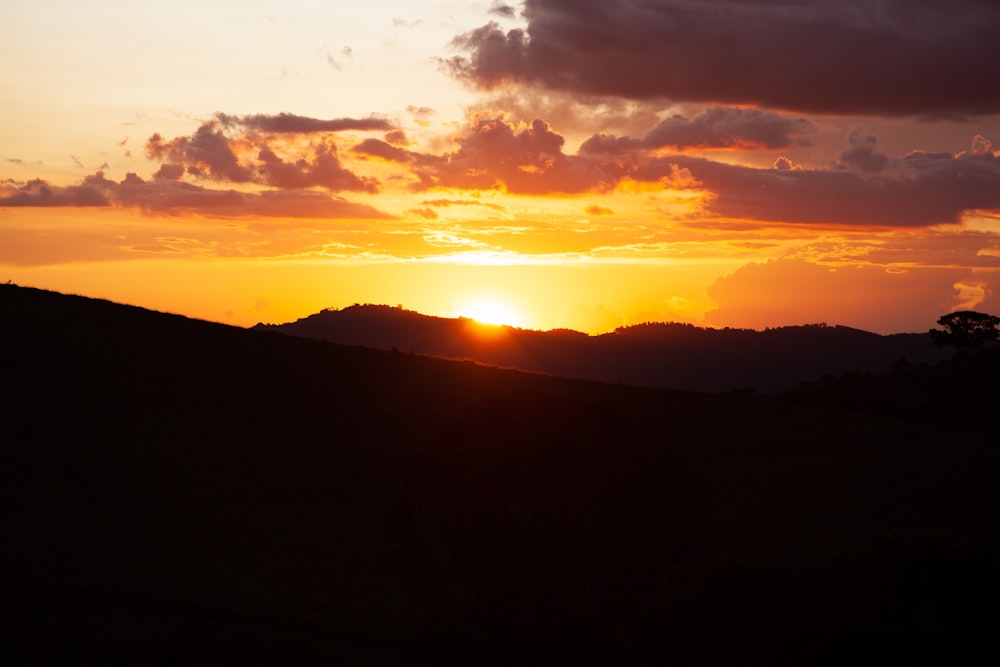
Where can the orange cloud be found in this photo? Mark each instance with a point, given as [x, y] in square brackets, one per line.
[496, 154]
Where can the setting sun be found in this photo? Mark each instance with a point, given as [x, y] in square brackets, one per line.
[491, 311]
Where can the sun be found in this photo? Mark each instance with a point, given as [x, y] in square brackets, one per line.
[491, 311]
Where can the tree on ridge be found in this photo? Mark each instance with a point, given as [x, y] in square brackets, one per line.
[966, 330]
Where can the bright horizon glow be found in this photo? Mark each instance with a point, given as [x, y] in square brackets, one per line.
[490, 310]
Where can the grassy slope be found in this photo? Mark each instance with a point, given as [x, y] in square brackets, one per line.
[180, 491]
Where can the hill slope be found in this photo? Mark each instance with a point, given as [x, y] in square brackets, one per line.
[674, 355]
[183, 492]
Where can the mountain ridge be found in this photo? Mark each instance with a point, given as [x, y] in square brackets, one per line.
[675, 355]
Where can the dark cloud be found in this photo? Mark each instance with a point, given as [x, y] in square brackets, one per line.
[727, 127]
[397, 138]
[575, 115]
[384, 150]
[609, 144]
[37, 192]
[206, 153]
[170, 172]
[503, 10]
[210, 154]
[287, 123]
[175, 197]
[323, 170]
[716, 127]
[863, 154]
[912, 57]
[919, 190]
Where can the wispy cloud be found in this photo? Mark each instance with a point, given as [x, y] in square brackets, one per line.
[287, 123]
[175, 197]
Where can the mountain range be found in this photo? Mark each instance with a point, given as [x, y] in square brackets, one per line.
[675, 355]
[183, 492]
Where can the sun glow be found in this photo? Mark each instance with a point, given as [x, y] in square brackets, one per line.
[491, 311]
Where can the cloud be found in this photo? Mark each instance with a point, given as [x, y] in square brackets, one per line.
[324, 170]
[863, 154]
[205, 153]
[785, 163]
[403, 23]
[176, 197]
[37, 192]
[210, 154]
[425, 213]
[287, 123]
[384, 150]
[920, 57]
[716, 127]
[524, 159]
[493, 153]
[918, 190]
[346, 52]
[448, 203]
[397, 138]
[503, 10]
[575, 115]
[981, 146]
[866, 187]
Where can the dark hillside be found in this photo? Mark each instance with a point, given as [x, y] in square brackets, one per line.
[960, 396]
[674, 355]
[179, 492]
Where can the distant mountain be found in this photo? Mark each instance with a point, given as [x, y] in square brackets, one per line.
[181, 492]
[680, 356]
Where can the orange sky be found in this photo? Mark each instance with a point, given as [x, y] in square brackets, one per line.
[582, 165]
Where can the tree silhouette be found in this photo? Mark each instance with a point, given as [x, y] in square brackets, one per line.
[966, 330]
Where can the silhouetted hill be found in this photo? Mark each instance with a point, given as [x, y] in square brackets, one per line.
[680, 356]
[960, 394]
[180, 492]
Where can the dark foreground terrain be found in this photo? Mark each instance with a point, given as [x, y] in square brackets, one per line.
[179, 492]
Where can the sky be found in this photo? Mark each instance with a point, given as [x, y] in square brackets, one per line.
[586, 164]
